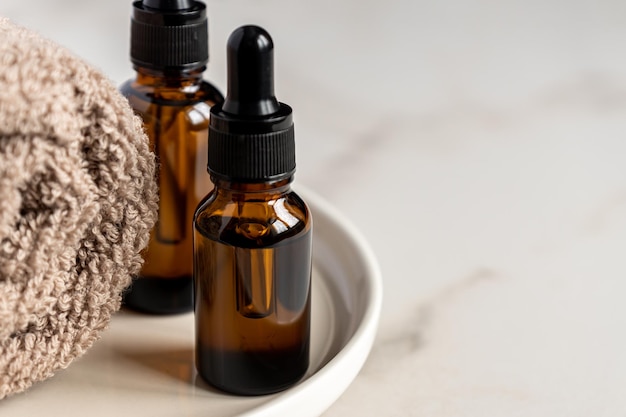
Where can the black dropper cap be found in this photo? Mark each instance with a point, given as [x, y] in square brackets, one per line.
[169, 34]
[251, 136]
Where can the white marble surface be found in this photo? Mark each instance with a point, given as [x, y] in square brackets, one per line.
[480, 147]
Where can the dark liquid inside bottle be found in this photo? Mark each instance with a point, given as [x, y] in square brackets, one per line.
[175, 112]
[252, 303]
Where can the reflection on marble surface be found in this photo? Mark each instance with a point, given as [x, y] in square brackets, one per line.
[479, 147]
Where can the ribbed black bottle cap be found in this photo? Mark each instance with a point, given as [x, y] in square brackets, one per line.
[251, 135]
[169, 34]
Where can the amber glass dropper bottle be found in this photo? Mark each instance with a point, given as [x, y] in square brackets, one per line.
[169, 51]
[252, 236]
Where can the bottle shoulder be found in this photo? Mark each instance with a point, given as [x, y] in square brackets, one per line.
[183, 95]
[189, 107]
[253, 222]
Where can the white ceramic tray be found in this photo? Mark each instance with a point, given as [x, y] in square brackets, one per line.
[143, 366]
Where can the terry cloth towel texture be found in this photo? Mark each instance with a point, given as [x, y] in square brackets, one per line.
[77, 202]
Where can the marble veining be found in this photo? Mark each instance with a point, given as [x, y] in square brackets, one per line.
[411, 334]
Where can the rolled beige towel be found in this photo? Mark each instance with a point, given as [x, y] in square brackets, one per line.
[77, 202]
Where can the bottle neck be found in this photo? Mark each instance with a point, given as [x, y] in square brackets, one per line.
[243, 188]
[169, 78]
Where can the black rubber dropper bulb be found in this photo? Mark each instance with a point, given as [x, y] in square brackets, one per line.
[250, 57]
[251, 136]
